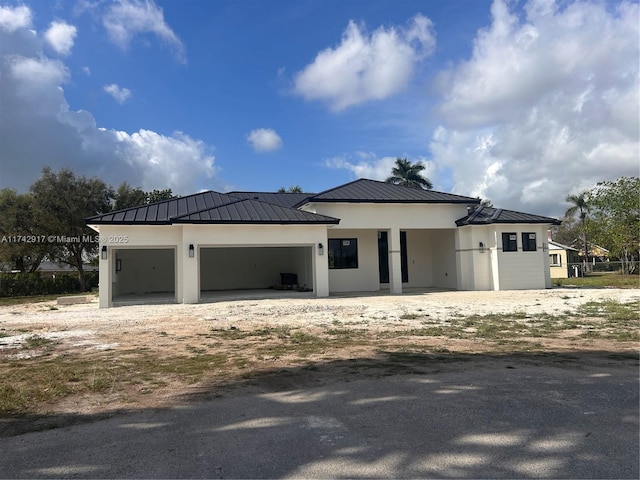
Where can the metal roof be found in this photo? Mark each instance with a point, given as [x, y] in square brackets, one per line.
[254, 211]
[372, 191]
[209, 207]
[489, 215]
[283, 199]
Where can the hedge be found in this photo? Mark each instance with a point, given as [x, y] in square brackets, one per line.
[27, 284]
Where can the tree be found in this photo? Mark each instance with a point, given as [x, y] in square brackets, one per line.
[62, 201]
[291, 189]
[21, 244]
[126, 197]
[615, 218]
[408, 174]
[159, 195]
[581, 206]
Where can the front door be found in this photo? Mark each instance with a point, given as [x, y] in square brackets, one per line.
[383, 257]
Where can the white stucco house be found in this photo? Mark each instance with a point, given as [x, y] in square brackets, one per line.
[364, 236]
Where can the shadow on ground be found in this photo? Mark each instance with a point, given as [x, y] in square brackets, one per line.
[399, 415]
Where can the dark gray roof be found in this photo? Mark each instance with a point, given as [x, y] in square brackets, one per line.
[488, 215]
[209, 207]
[254, 211]
[372, 191]
[283, 199]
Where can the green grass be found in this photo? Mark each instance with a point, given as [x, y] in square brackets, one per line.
[596, 280]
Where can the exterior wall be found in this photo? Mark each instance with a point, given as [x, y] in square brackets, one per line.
[523, 270]
[419, 259]
[365, 278]
[560, 269]
[382, 216]
[444, 259]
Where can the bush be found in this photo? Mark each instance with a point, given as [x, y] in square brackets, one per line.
[28, 284]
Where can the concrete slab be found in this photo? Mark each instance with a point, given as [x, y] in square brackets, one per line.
[72, 300]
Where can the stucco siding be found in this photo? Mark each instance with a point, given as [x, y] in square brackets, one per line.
[443, 257]
[419, 259]
[365, 278]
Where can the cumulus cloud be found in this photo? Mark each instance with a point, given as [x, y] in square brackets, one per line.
[369, 165]
[118, 93]
[38, 128]
[365, 66]
[264, 140]
[60, 36]
[126, 19]
[12, 19]
[547, 104]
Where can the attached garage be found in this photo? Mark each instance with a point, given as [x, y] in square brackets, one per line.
[249, 268]
[144, 275]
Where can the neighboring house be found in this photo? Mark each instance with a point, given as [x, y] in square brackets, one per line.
[364, 236]
[562, 260]
[51, 269]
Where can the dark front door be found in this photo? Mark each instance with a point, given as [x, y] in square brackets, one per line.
[383, 257]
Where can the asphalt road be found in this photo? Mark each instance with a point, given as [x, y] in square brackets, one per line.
[506, 419]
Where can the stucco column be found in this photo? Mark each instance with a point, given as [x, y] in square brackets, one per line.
[190, 272]
[494, 265]
[321, 269]
[104, 276]
[395, 265]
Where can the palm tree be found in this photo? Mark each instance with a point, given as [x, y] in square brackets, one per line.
[580, 205]
[408, 174]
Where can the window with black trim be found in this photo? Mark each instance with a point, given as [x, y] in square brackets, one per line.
[343, 253]
[509, 242]
[555, 260]
[528, 242]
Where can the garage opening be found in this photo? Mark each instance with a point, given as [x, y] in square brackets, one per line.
[256, 268]
[144, 276]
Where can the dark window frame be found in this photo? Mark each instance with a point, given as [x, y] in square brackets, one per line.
[509, 242]
[343, 255]
[528, 243]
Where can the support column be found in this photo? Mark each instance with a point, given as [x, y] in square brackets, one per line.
[105, 272]
[321, 269]
[190, 271]
[395, 262]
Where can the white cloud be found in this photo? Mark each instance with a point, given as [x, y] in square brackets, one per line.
[127, 18]
[547, 104]
[60, 36]
[366, 67]
[86, 71]
[12, 19]
[368, 165]
[38, 128]
[118, 93]
[264, 140]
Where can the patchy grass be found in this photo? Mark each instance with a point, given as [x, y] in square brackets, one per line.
[611, 280]
[220, 355]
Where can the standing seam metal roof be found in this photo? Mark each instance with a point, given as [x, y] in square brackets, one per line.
[372, 191]
[489, 215]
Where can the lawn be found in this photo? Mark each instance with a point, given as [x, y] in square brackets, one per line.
[600, 280]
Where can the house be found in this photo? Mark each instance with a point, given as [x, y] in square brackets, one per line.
[564, 261]
[364, 236]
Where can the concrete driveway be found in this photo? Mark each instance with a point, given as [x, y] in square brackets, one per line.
[501, 419]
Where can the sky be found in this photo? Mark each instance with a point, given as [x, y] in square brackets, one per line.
[517, 102]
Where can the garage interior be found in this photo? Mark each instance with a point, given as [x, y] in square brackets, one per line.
[144, 275]
[285, 268]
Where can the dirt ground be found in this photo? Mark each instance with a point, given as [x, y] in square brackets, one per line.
[247, 336]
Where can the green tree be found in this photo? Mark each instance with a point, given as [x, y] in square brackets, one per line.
[126, 197]
[408, 174]
[159, 195]
[615, 218]
[62, 201]
[580, 205]
[291, 189]
[21, 245]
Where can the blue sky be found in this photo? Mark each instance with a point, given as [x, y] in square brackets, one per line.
[517, 102]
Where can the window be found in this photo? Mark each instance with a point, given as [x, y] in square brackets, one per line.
[509, 242]
[555, 260]
[528, 242]
[343, 253]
